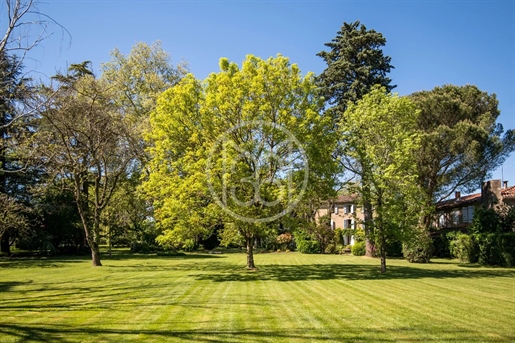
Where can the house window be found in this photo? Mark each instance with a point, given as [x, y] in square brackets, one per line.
[336, 209]
[348, 224]
[465, 212]
[470, 215]
[333, 224]
[348, 209]
[455, 217]
[441, 220]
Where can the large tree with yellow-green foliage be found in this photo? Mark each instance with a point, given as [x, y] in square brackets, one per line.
[237, 150]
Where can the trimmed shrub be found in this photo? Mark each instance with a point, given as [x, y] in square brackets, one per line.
[359, 248]
[307, 246]
[330, 249]
[141, 247]
[418, 249]
[464, 248]
[496, 249]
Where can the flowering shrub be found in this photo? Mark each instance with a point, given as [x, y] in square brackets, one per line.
[283, 240]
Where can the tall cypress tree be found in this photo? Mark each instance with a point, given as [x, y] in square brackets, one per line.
[355, 63]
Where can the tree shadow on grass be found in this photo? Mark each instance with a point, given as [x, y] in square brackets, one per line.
[59, 261]
[347, 272]
[68, 334]
[6, 286]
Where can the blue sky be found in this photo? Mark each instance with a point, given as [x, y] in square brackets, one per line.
[431, 43]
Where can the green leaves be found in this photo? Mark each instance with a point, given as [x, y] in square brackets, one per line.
[233, 148]
[379, 134]
[461, 142]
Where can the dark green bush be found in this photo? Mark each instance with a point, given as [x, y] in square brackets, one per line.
[142, 247]
[394, 248]
[507, 244]
[359, 248]
[489, 250]
[307, 246]
[496, 249]
[441, 246]
[418, 249]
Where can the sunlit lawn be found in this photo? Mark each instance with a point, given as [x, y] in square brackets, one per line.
[291, 298]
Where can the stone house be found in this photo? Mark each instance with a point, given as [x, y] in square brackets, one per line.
[344, 213]
[457, 213]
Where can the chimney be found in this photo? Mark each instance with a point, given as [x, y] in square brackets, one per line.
[457, 195]
[505, 184]
[491, 193]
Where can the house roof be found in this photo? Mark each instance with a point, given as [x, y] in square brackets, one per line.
[342, 199]
[351, 198]
[508, 193]
[464, 200]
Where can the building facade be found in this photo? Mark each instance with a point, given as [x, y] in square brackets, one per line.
[343, 213]
[453, 214]
[457, 213]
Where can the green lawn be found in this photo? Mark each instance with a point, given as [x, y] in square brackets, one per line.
[291, 298]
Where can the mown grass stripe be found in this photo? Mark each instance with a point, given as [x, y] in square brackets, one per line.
[290, 298]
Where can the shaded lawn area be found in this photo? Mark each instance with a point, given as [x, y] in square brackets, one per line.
[291, 298]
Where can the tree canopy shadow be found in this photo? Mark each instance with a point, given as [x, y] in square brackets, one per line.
[346, 272]
[68, 334]
[6, 286]
[58, 261]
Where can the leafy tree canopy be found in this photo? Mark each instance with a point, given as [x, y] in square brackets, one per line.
[380, 134]
[461, 141]
[231, 150]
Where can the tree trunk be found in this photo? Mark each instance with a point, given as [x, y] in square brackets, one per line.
[5, 247]
[382, 252]
[369, 243]
[95, 254]
[250, 254]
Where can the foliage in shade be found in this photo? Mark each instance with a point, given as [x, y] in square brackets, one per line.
[85, 145]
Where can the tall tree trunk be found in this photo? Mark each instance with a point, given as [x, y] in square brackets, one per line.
[92, 237]
[369, 242]
[382, 251]
[368, 217]
[5, 247]
[250, 253]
